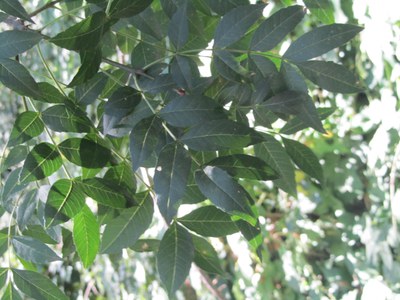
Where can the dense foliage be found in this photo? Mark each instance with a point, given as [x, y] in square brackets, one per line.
[128, 154]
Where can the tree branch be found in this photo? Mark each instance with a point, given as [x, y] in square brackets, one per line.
[126, 68]
[44, 7]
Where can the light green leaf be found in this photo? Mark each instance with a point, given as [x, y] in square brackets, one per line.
[320, 40]
[322, 9]
[10, 293]
[273, 30]
[104, 192]
[14, 8]
[253, 235]
[304, 158]
[15, 42]
[175, 257]
[86, 234]
[125, 230]
[205, 256]
[41, 162]
[62, 118]
[33, 251]
[27, 126]
[37, 286]
[3, 276]
[128, 8]
[209, 221]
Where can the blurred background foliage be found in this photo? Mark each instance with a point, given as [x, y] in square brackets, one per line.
[336, 241]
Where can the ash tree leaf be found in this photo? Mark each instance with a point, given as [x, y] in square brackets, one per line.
[11, 293]
[272, 152]
[17, 78]
[27, 126]
[86, 235]
[322, 9]
[84, 35]
[90, 64]
[149, 22]
[49, 94]
[227, 66]
[144, 54]
[103, 192]
[33, 251]
[253, 235]
[11, 186]
[174, 258]
[41, 162]
[209, 221]
[123, 176]
[146, 245]
[124, 231]
[178, 28]
[36, 285]
[309, 115]
[128, 8]
[62, 118]
[274, 29]
[170, 178]
[65, 200]
[17, 41]
[14, 8]
[304, 158]
[184, 72]
[320, 41]
[26, 208]
[245, 166]
[87, 92]
[15, 156]
[235, 24]
[3, 276]
[220, 135]
[190, 110]
[205, 256]
[330, 76]
[221, 7]
[224, 192]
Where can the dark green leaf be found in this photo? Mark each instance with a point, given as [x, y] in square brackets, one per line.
[65, 200]
[62, 118]
[37, 286]
[221, 7]
[128, 8]
[49, 94]
[294, 81]
[273, 30]
[89, 91]
[330, 76]
[14, 8]
[122, 176]
[17, 41]
[185, 72]
[235, 24]
[90, 64]
[224, 192]
[178, 30]
[220, 135]
[175, 257]
[320, 41]
[209, 221]
[86, 235]
[322, 9]
[11, 187]
[288, 102]
[41, 162]
[144, 54]
[15, 156]
[304, 158]
[85, 35]
[125, 230]
[115, 79]
[26, 208]
[32, 250]
[104, 192]
[16, 77]
[27, 126]
[10, 293]
[245, 166]
[170, 178]
[185, 111]
[262, 66]
[146, 245]
[149, 22]
[227, 66]
[205, 256]
[47, 236]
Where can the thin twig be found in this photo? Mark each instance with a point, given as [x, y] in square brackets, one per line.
[207, 282]
[126, 68]
[44, 7]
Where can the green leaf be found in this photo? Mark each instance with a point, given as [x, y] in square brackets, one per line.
[146, 245]
[145, 54]
[65, 200]
[41, 162]
[3, 276]
[84, 35]
[220, 135]
[186, 111]
[185, 72]
[15, 156]
[86, 152]
[221, 7]
[37, 286]
[62, 118]
[26, 208]
[322, 9]
[320, 41]
[174, 257]
[224, 192]
[17, 78]
[227, 66]
[178, 30]
[143, 140]
[127, 8]
[11, 293]
[125, 230]
[304, 158]
[33, 251]
[235, 24]
[49, 94]
[245, 166]
[86, 93]
[209, 221]
[27, 126]
[11, 187]
[170, 178]
[86, 234]
[330, 76]
[272, 152]
[17, 41]
[14, 8]
[273, 30]
[47, 236]
[205, 256]
[253, 235]
[150, 22]
[122, 176]
[104, 192]
[90, 64]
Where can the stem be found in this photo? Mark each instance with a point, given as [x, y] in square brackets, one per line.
[44, 7]
[207, 282]
[109, 2]
[126, 68]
